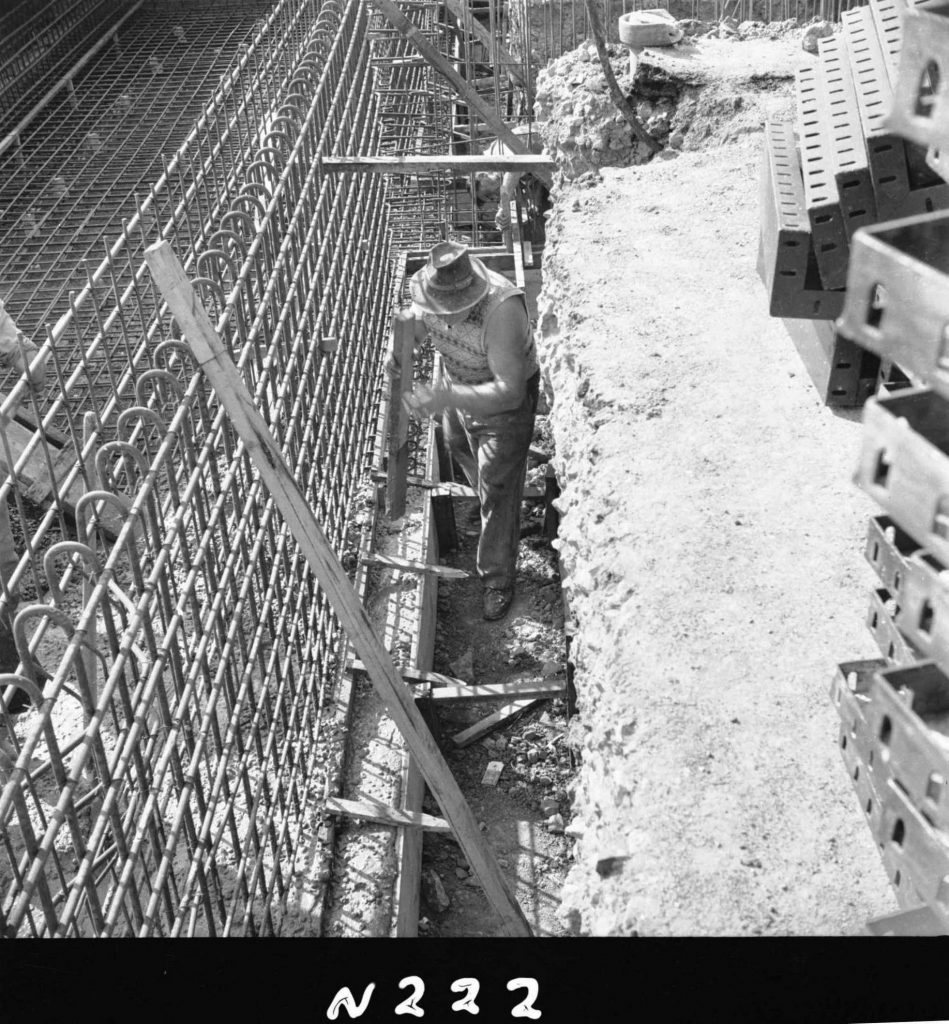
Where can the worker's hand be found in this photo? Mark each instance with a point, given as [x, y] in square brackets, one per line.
[424, 401]
[393, 363]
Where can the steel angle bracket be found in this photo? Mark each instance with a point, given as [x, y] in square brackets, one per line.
[891, 377]
[912, 854]
[848, 152]
[881, 621]
[920, 110]
[787, 265]
[904, 463]
[843, 374]
[886, 156]
[923, 617]
[914, 921]
[897, 301]
[849, 692]
[820, 188]
[904, 704]
[926, 199]
[887, 549]
[938, 160]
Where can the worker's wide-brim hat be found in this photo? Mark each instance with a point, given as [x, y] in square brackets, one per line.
[452, 281]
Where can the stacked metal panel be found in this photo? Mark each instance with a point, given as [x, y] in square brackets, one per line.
[895, 713]
[838, 167]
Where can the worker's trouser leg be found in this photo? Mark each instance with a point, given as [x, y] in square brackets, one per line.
[492, 450]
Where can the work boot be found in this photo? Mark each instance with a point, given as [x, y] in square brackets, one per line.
[497, 601]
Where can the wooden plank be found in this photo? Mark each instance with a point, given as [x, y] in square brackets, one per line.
[416, 565]
[518, 242]
[457, 490]
[500, 717]
[423, 164]
[398, 20]
[383, 814]
[409, 840]
[541, 689]
[33, 475]
[447, 688]
[397, 465]
[213, 358]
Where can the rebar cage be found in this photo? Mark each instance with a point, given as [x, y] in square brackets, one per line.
[165, 778]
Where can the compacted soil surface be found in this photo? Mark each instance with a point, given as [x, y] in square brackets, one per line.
[711, 547]
[522, 803]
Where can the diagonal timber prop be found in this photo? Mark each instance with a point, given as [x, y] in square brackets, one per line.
[485, 111]
[211, 355]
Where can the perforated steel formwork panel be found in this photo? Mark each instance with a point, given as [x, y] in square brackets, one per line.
[898, 295]
[888, 549]
[888, 19]
[820, 188]
[881, 621]
[787, 265]
[885, 152]
[848, 154]
[843, 374]
[924, 610]
[904, 464]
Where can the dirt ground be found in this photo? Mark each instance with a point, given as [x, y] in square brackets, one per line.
[711, 544]
[523, 811]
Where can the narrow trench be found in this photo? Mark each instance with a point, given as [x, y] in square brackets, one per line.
[516, 774]
[515, 762]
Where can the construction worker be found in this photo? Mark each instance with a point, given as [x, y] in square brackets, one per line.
[487, 397]
[16, 352]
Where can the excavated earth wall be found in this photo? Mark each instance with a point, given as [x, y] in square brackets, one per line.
[711, 545]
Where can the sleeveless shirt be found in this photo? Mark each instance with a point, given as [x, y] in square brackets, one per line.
[462, 345]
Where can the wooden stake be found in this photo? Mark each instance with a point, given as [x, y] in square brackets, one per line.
[502, 716]
[372, 810]
[447, 572]
[518, 244]
[212, 356]
[397, 466]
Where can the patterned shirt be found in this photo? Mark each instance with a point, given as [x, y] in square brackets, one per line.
[463, 345]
